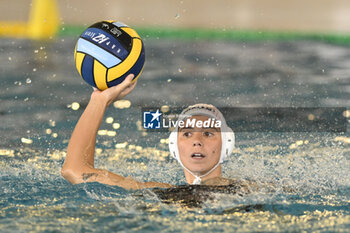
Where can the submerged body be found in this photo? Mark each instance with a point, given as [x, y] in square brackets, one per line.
[196, 195]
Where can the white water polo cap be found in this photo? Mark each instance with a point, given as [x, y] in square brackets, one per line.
[227, 135]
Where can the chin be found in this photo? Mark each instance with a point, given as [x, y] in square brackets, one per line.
[199, 170]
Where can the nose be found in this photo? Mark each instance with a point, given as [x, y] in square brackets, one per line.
[197, 139]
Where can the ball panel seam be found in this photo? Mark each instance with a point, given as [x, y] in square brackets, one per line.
[87, 70]
[128, 63]
[100, 72]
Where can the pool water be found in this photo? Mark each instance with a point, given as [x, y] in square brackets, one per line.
[310, 172]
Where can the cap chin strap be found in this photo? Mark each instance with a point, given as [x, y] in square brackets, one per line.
[198, 179]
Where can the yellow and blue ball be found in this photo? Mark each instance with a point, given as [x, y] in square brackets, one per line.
[107, 52]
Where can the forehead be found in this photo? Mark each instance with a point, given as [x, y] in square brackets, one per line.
[198, 117]
[207, 123]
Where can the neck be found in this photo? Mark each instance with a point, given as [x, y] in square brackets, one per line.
[215, 173]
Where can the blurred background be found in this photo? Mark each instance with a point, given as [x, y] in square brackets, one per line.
[287, 15]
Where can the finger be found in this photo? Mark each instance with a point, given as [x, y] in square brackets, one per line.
[128, 80]
[130, 87]
[127, 90]
[130, 76]
[124, 84]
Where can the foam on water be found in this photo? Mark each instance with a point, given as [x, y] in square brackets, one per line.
[315, 178]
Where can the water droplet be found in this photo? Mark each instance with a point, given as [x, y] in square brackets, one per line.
[75, 106]
[36, 51]
[28, 80]
[169, 80]
[179, 70]
[34, 69]
[121, 104]
[116, 125]
[111, 133]
[311, 117]
[109, 120]
[26, 99]
[177, 16]
[165, 108]
[346, 113]
[52, 123]
[102, 132]
[26, 140]
[10, 58]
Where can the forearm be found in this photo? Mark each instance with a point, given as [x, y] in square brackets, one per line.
[81, 147]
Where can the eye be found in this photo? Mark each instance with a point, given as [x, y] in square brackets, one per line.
[208, 134]
[186, 134]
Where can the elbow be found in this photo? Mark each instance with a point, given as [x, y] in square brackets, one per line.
[69, 175]
[64, 172]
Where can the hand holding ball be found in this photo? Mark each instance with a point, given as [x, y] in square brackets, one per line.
[107, 52]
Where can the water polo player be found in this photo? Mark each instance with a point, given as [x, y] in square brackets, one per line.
[199, 150]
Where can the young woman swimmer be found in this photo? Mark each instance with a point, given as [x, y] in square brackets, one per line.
[199, 150]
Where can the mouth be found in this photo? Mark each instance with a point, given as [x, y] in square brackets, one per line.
[197, 155]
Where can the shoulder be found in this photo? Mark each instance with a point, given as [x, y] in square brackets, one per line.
[219, 181]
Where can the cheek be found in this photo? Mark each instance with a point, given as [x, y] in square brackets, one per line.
[216, 151]
[217, 148]
[181, 147]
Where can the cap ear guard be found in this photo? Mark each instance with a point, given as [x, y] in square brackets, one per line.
[228, 143]
[174, 151]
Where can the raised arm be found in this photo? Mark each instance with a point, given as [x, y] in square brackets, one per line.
[79, 163]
